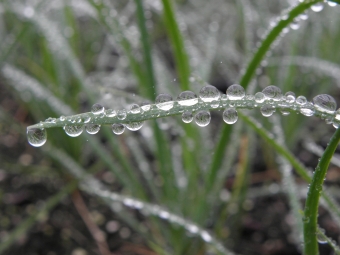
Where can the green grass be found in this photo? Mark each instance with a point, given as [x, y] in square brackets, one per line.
[59, 65]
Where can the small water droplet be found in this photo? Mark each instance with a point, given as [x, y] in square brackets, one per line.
[259, 97]
[111, 113]
[74, 131]
[325, 103]
[118, 129]
[317, 7]
[134, 108]
[230, 116]
[97, 109]
[267, 110]
[202, 118]
[36, 136]
[192, 228]
[295, 25]
[331, 4]
[307, 109]
[187, 117]
[284, 111]
[209, 93]
[290, 97]
[62, 118]
[87, 119]
[121, 115]
[92, 128]
[301, 100]
[134, 126]
[164, 102]
[303, 16]
[187, 98]
[146, 106]
[206, 236]
[321, 239]
[235, 92]
[272, 92]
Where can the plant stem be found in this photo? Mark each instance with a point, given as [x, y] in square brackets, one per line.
[313, 196]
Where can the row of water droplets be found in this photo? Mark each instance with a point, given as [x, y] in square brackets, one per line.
[270, 99]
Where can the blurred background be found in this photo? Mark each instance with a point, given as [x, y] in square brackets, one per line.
[59, 57]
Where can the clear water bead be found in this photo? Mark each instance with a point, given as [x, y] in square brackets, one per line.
[118, 129]
[209, 93]
[290, 97]
[235, 92]
[324, 103]
[272, 92]
[134, 126]
[187, 117]
[259, 97]
[92, 128]
[110, 113]
[317, 7]
[187, 98]
[307, 109]
[74, 131]
[202, 118]
[36, 136]
[301, 100]
[97, 109]
[134, 108]
[164, 102]
[87, 119]
[146, 106]
[331, 4]
[121, 114]
[62, 118]
[230, 115]
[337, 114]
[267, 110]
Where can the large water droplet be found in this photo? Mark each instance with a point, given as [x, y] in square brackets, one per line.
[307, 109]
[36, 136]
[187, 117]
[134, 108]
[324, 103]
[259, 97]
[209, 93]
[164, 102]
[267, 110]
[92, 128]
[74, 131]
[97, 109]
[272, 92]
[121, 114]
[187, 98]
[235, 92]
[301, 100]
[317, 7]
[118, 129]
[202, 118]
[134, 126]
[230, 116]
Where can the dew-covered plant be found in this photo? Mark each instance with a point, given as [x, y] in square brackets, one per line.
[173, 171]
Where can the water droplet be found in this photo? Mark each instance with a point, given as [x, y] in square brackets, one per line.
[303, 16]
[301, 100]
[187, 98]
[87, 119]
[337, 114]
[290, 97]
[272, 92]
[214, 104]
[307, 109]
[121, 115]
[164, 102]
[110, 113]
[92, 128]
[134, 126]
[259, 97]
[284, 111]
[206, 236]
[235, 92]
[51, 120]
[62, 118]
[187, 117]
[324, 103]
[146, 106]
[321, 238]
[209, 93]
[230, 116]
[134, 108]
[267, 110]
[331, 4]
[294, 25]
[317, 7]
[202, 118]
[37, 136]
[97, 109]
[74, 131]
[118, 129]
